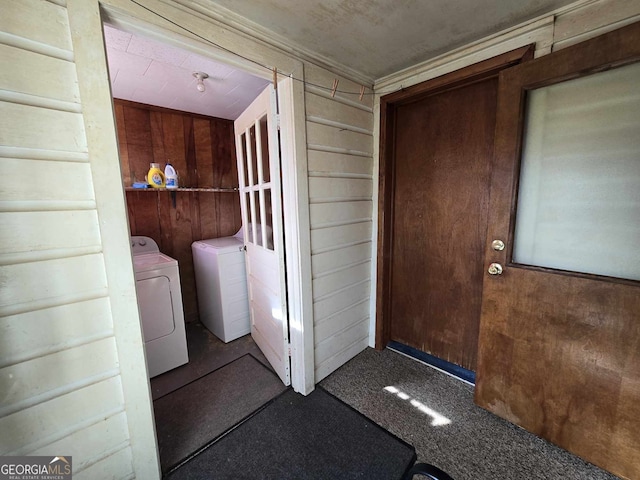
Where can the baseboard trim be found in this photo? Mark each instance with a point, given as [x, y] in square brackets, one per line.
[456, 371]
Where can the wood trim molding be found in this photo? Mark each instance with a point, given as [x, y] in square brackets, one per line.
[388, 104]
[477, 71]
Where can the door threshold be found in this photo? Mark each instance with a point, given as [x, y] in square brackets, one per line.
[451, 369]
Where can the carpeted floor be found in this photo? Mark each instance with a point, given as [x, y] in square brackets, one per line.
[295, 437]
[436, 414]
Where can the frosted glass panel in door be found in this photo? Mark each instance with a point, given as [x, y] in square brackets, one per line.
[579, 192]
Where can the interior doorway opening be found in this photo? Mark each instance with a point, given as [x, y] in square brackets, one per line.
[256, 81]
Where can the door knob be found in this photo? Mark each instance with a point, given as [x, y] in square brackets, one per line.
[497, 245]
[495, 269]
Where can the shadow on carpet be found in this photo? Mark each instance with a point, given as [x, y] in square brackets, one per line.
[297, 437]
[195, 414]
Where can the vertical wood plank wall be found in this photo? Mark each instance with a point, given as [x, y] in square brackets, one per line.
[59, 367]
[202, 150]
[340, 146]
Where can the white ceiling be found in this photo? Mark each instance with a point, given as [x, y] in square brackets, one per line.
[147, 71]
[371, 38]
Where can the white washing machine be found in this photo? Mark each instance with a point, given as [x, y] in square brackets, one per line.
[160, 304]
[221, 283]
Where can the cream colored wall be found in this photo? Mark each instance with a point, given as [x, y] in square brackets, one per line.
[572, 24]
[72, 371]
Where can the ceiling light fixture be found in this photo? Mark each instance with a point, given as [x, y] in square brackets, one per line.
[201, 76]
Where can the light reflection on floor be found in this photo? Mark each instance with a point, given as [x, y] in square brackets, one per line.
[438, 419]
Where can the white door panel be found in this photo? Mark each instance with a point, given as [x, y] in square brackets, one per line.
[258, 155]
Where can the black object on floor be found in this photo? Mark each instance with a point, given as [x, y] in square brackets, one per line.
[297, 437]
[427, 470]
[197, 413]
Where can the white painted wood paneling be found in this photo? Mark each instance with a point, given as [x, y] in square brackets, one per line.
[28, 282]
[85, 20]
[334, 238]
[38, 21]
[341, 300]
[334, 362]
[342, 340]
[329, 138]
[44, 423]
[34, 127]
[118, 464]
[45, 181]
[339, 133]
[335, 282]
[325, 109]
[329, 262]
[332, 189]
[60, 374]
[341, 213]
[41, 332]
[90, 444]
[29, 226]
[326, 163]
[38, 74]
[35, 381]
[320, 80]
[358, 312]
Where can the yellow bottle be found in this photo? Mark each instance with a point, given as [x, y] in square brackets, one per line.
[155, 177]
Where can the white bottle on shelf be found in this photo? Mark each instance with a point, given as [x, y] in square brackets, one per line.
[170, 177]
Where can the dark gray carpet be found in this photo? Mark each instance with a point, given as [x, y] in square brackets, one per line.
[476, 445]
[195, 414]
[297, 437]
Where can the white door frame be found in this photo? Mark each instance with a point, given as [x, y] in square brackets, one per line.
[295, 190]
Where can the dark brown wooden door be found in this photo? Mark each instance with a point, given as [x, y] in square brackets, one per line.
[443, 152]
[559, 351]
[436, 151]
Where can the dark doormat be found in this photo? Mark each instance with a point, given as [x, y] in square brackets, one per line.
[297, 437]
[197, 413]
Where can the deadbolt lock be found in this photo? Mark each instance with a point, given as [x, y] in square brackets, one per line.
[497, 245]
[495, 269]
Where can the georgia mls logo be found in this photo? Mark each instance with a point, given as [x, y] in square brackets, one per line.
[60, 465]
[35, 468]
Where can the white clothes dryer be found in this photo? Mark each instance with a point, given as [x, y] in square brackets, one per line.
[221, 284]
[160, 304]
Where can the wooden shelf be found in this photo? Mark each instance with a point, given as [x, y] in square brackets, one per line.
[182, 189]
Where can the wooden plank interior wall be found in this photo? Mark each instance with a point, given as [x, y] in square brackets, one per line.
[340, 150]
[202, 150]
[53, 360]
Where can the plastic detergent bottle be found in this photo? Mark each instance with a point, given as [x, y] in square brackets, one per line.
[155, 177]
[170, 176]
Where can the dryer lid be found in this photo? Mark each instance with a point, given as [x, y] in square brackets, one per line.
[220, 245]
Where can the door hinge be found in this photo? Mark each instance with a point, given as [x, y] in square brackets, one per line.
[289, 349]
[278, 121]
